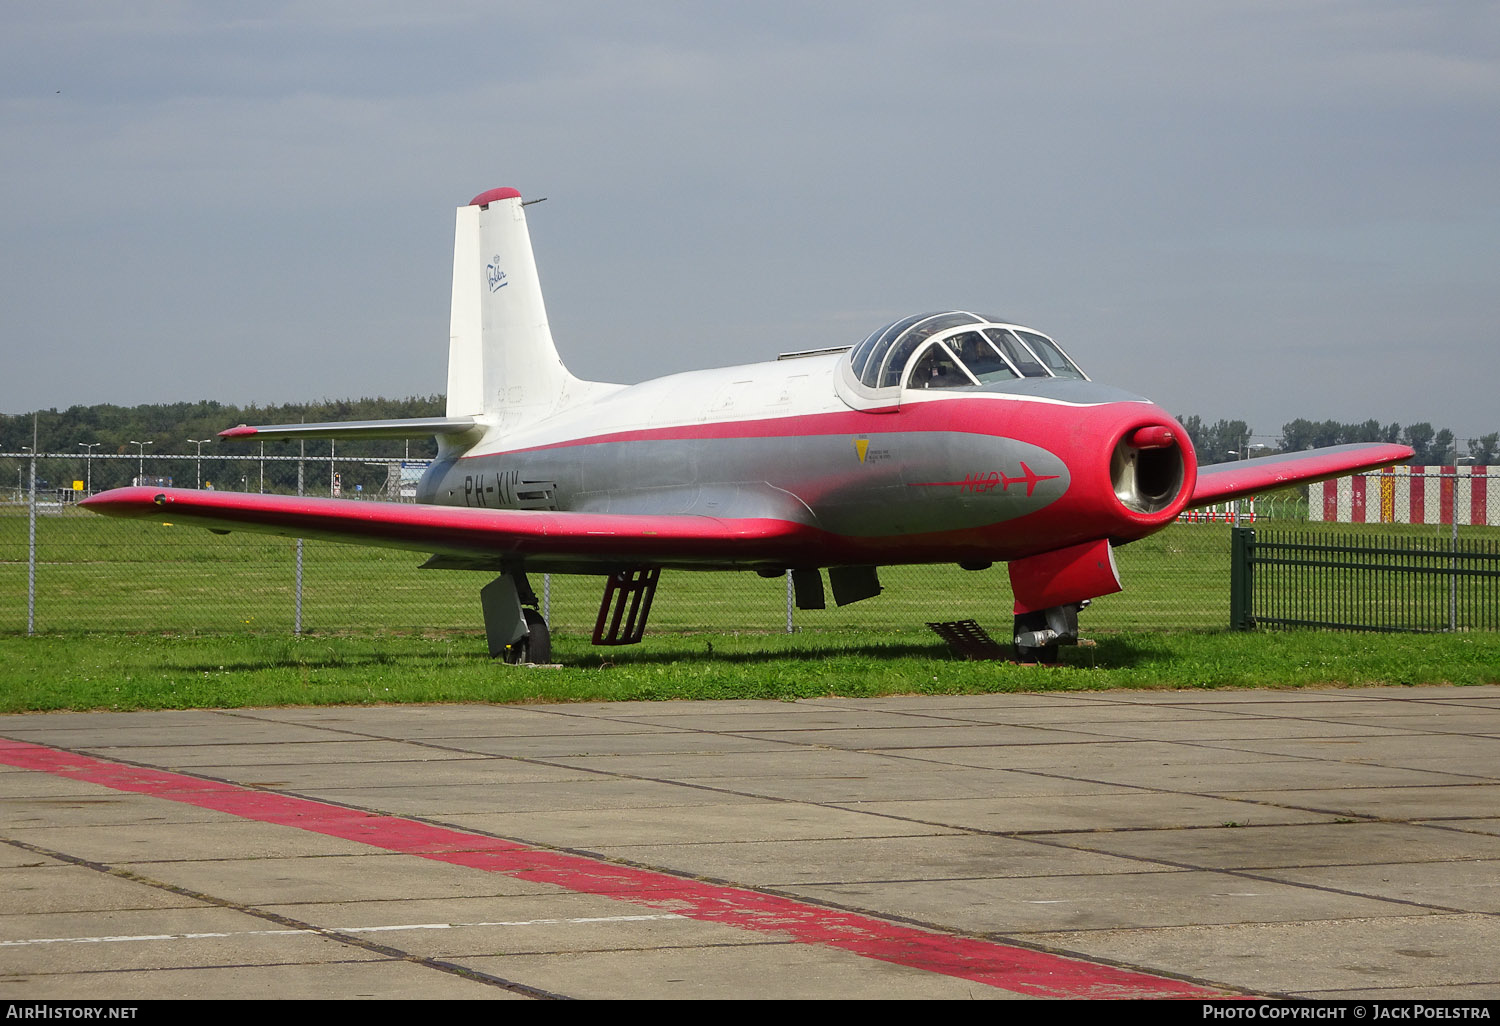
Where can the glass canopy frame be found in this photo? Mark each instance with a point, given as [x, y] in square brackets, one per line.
[956, 349]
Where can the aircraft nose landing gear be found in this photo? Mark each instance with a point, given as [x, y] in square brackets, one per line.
[1050, 588]
[1038, 634]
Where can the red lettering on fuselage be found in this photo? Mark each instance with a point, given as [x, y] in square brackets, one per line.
[985, 481]
[980, 482]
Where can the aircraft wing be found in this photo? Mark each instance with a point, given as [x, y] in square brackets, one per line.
[1224, 481]
[464, 537]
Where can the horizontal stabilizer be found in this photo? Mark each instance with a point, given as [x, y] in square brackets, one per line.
[478, 536]
[407, 427]
[1224, 481]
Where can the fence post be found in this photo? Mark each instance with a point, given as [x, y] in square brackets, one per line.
[31, 542]
[1241, 577]
[1453, 559]
[297, 615]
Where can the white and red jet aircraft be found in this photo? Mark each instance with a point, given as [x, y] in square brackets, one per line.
[948, 437]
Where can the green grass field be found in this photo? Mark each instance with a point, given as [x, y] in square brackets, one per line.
[96, 574]
[124, 671]
[139, 615]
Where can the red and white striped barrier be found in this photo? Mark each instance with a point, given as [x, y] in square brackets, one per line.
[1224, 513]
[1410, 495]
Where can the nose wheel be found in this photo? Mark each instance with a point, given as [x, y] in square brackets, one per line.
[1038, 634]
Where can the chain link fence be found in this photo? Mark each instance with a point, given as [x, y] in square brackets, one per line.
[63, 569]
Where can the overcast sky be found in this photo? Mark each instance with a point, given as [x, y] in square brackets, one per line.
[1252, 210]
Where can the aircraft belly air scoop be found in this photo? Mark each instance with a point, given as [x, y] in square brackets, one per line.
[944, 437]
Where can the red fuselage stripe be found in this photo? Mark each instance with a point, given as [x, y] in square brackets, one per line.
[1031, 417]
[1019, 970]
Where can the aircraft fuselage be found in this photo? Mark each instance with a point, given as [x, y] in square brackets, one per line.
[934, 475]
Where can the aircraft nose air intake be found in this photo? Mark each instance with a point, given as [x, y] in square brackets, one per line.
[1149, 469]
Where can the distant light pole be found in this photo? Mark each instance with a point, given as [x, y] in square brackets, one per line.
[141, 470]
[88, 465]
[199, 461]
[1243, 454]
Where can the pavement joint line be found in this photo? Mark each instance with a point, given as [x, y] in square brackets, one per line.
[1384, 731]
[325, 931]
[293, 925]
[896, 752]
[1042, 837]
[1262, 876]
[1011, 967]
[1342, 994]
[1219, 795]
[757, 734]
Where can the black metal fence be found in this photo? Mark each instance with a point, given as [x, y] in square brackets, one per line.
[1287, 578]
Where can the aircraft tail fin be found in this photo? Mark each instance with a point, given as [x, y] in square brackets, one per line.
[502, 364]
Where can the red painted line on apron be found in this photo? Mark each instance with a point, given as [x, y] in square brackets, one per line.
[1011, 968]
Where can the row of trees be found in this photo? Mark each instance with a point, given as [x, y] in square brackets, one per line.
[155, 430]
[1227, 440]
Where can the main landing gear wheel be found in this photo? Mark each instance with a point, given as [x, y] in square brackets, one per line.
[536, 647]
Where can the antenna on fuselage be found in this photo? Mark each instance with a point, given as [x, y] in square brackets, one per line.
[529, 203]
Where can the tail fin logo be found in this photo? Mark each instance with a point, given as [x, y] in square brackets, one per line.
[497, 276]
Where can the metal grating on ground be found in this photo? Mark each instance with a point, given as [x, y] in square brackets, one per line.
[969, 640]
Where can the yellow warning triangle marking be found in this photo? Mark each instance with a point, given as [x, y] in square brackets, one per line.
[861, 446]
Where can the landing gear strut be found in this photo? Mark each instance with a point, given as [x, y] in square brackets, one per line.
[517, 632]
[1039, 633]
[1052, 587]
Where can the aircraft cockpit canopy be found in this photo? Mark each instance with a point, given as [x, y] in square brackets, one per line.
[956, 349]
